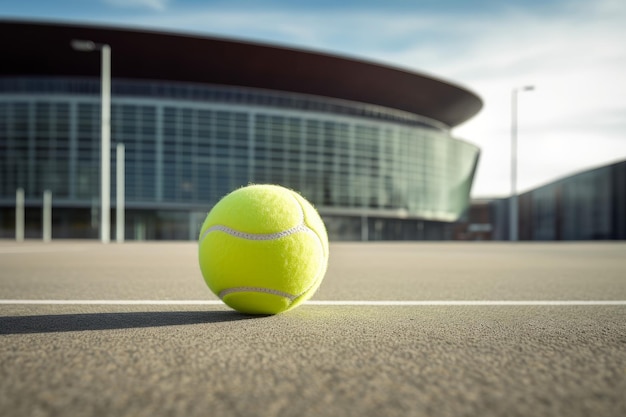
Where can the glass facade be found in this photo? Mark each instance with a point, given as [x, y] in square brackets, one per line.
[372, 172]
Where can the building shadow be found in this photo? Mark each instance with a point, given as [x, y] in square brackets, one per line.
[57, 323]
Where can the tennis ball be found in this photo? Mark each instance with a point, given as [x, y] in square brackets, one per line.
[263, 249]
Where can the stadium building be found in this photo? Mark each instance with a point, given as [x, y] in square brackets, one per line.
[370, 145]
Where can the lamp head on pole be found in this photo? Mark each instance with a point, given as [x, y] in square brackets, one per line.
[83, 45]
[517, 90]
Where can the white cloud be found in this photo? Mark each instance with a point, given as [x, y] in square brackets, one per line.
[576, 117]
[158, 5]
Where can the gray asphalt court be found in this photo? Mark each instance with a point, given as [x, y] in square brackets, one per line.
[396, 329]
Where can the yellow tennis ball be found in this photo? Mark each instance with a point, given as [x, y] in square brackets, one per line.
[263, 249]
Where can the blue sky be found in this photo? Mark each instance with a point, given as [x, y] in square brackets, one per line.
[571, 50]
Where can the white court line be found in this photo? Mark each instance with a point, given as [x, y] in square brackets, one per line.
[112, 302]
[472, 303]
[34, 249]
[372, 303]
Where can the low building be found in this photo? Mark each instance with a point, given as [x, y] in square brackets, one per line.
[589, 205]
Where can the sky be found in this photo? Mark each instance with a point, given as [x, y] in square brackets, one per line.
[571, 51]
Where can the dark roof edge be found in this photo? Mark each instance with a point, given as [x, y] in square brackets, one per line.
[245, 63]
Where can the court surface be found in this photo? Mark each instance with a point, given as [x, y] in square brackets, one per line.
[396, 329]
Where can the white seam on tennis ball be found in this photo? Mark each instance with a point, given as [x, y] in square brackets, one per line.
[321, 270]
[255, 236]
[227, 291]
[261, 236]
[303, 212]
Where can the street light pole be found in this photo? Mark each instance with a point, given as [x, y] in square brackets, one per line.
[120, 187]
[513, 208]
[105, 136]
[105, 162]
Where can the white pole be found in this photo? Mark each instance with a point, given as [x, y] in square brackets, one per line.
[364, 229]
[513, 201]
[105, 162]
[47, 216]
[19, 215]
[120, 180]
[514, 206]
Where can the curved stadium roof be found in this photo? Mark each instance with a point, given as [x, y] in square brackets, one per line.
[43, 49]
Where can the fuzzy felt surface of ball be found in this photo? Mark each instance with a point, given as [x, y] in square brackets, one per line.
[263, 249]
